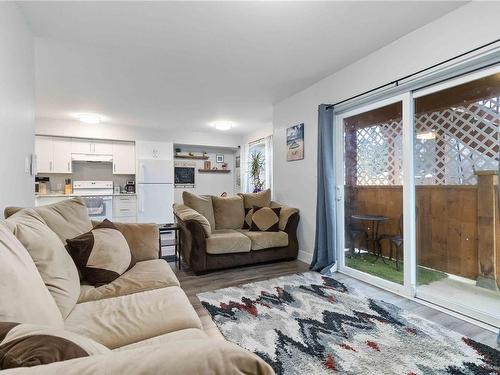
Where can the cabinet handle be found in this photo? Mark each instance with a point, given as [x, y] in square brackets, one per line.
[114, 167]
[50, 166]
[69, 169]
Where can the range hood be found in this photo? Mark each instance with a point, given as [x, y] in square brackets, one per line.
[103, 158]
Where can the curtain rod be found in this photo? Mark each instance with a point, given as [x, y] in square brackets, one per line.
[396, 82]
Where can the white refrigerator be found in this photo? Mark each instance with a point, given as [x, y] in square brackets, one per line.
[155, 191]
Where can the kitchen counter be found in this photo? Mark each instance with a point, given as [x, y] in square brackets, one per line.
[52, 195]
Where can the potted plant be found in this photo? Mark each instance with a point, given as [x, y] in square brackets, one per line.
[257, 163]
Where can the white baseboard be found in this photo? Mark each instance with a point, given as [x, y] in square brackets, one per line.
[305, 257]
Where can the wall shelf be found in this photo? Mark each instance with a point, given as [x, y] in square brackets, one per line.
[214, 170]
[191, 157]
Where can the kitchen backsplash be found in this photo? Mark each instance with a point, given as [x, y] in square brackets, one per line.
[87, 171]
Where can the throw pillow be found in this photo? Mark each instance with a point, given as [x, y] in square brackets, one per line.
[55, 265]
[247, 223]
[229, 212]
[27, 345]
[102, 254]
[261, 199]
[265, 219]
[202, 204]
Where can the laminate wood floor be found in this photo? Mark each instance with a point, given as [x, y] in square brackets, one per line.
[192, 285]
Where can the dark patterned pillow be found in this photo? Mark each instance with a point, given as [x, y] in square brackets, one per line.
[27, 345]
[265, 219]
[102, 254]
[248, 218]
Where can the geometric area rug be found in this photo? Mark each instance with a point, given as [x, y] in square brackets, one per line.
[311, 324]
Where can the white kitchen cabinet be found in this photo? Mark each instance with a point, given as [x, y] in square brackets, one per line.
[61, 162]
[154, 150]
[44, 154]
[53, 154]
[123, 158]
[90, 146]
[102, 147]
[125, 208]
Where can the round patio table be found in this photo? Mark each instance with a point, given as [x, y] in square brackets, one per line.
[375, 222]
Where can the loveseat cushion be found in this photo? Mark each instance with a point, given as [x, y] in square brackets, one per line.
[202, 204]
[285, 213]
[229, 212]
[53, 262]
[260, 199]
[266, 240]
[146, 275]
[124, 320]
[27, 345]
[24, 298]
[67, 219]
[102, 254]
[226, 241]
[168, 338]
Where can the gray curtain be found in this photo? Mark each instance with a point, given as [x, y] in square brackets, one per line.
[324, 245]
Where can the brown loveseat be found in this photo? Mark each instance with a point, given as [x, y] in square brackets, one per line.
[212, 234]
[142, 322]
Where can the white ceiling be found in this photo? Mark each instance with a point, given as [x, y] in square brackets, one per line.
[184, 64]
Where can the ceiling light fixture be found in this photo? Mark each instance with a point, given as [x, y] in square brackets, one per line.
[89, 118]
[222, 125]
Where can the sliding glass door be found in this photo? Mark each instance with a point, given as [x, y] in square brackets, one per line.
[370, 180]
[417, 194]
[456, 172]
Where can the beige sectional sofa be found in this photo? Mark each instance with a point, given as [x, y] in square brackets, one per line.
[143, 317]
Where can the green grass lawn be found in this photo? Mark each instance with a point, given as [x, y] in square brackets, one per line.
[387, 271]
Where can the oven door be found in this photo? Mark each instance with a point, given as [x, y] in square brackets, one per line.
[99, 207]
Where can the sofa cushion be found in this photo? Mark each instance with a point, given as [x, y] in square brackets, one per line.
[146, 275]
[25, 298]
[101, 254]
[260, 199]
[248, 218]
[187, 357]
[266, 240]
[124, 320]
[225, 241]
[67, 219]
[202, 204]
[229, 212]
[285, 213]
[186, 213]
[27, 345]
[53, 262]
[168, 338]
[265, 219]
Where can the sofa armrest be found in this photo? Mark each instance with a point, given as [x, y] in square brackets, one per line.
[285, 213]
[143, 239]
[202, 356]
[193, 238]
[186, 213]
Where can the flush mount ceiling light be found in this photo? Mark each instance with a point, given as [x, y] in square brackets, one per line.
[89, 118]
[222, 125]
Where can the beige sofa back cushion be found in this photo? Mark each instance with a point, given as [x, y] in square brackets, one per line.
[229, 212]
[55, 265]
[67, 219]
[25, 298]
[260, 199]
[202, 204]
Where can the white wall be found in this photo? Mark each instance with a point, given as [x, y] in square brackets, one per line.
[470, 26]
[71, 128]
[209, 183]
[16, 107]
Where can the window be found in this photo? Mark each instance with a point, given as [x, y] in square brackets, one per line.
[259, 165]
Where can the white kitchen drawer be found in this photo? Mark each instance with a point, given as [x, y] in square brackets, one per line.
[125, 211]
[124, 206]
